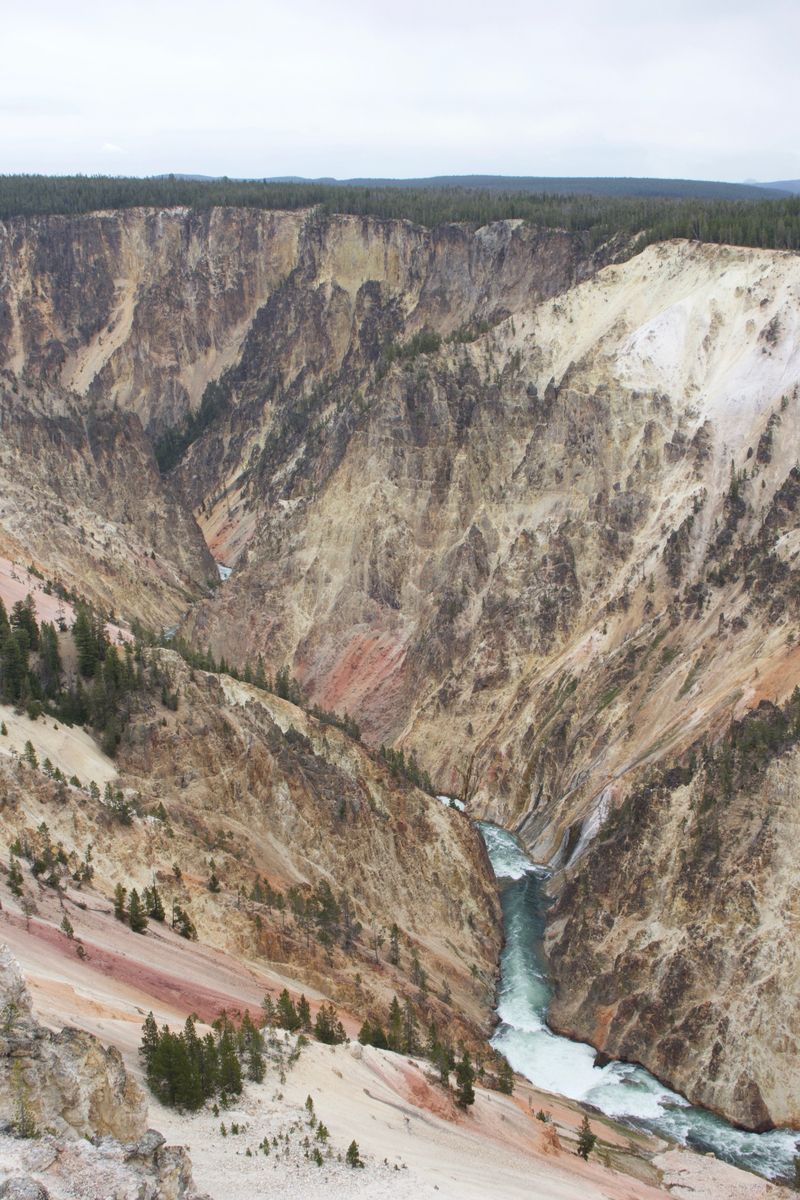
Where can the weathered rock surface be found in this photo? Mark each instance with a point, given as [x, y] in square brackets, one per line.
[67, 1082]
[271, 793]
[75, 1122]
[697, 943]
[562, 539]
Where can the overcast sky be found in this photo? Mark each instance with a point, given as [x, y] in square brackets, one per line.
[695, 88]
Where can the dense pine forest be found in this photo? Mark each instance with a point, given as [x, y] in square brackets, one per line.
[769, 223]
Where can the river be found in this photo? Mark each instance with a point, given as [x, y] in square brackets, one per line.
[621, 1090]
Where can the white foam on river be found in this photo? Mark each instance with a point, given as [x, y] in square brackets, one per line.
[556, 1064]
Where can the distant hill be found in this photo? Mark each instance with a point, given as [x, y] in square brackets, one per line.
[784, 185]
[674, 189]
[543, 185]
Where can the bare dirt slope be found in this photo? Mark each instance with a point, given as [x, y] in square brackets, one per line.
[414, 1141]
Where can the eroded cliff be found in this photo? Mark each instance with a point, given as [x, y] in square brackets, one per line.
[504, 503]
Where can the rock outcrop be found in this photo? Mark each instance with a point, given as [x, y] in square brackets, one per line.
[675, 931]
[74, 1121]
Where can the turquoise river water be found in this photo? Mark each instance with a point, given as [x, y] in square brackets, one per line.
[621, 1090]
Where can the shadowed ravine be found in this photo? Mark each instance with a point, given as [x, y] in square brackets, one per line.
[556, 1064]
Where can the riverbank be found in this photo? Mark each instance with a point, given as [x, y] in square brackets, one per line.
[622, 1091]
[385, 1102]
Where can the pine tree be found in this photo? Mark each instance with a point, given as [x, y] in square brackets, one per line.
[394, 945]
[149, 1042]
[394, 1034]
[190, 1086]
[23, 617]
[137, 917]
[505, 1077]
[270, 1017]
[49, 661]
[209, 1066]
[409, 1028]
[353, 1155]
[13, 665]
[162, 1073]
[182, 922]
[328, 1028]
[83, 635]
[287, 1013]
[230, 1073]
[586, 1139]
[379, 1040]
[253, 1047]
[304, 1013]
[153, 904]
[15, 882]
[465, 1078]
[119, 902]
[444, 1061]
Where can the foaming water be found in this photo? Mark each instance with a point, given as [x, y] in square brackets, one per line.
[556, 1064]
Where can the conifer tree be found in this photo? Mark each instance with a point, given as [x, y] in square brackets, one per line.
[270, 1012]
[230, 1072]
[353, 1155]
[209, 1066]
[23, 617]
[153, 904]
[83, 635]
[327, 1027]
[505, 1077]
[304, 1014]
[394, 945]
[409, 1028]
[394, 1033]
[182, 922]
[379, 1037]
[119, 902]
[137, 917]
[149, 1042]
[287, 1013]
[253, 1047]
[15, 882]
[465, 1078]
[586, 1139]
